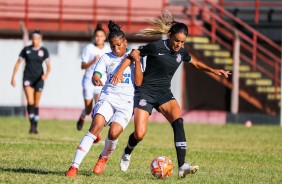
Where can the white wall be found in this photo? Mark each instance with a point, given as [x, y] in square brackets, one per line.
[63, 87]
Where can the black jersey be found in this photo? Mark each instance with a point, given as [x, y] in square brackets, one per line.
[34, 59]
[161, 65]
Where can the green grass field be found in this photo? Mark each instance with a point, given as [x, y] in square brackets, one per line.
[225, 154]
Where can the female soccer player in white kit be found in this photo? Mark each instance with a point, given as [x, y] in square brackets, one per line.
[115, 105]
[90, 56]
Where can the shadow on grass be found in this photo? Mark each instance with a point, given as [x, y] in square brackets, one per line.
[39, 171]
[31, 171]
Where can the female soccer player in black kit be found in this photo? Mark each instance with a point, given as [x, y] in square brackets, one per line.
[163, 59]
[34, 76]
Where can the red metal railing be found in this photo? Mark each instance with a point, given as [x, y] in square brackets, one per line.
[66, 15]
[256, 51]
[256, 4]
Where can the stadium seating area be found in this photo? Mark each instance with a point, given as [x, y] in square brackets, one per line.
[211, 23]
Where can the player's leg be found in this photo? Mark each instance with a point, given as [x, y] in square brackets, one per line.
[172, 113]
[86, 111]
[140, 123]
[86, 143]
[37, 97]
[96, 97]
[88, 101]
[102, 113]
[120, 120]
[110, 146]
[29, 93]
[38, 87]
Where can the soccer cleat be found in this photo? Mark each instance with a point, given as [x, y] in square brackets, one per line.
[100, 165]
[124, 162]
[187, 169]
[35, 131]
[79, 124]
[32, 129]
[72, 172]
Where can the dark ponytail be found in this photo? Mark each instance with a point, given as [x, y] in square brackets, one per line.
[114, 30]
[98, 28]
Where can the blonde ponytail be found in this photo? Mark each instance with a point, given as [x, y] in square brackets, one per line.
[162, 25]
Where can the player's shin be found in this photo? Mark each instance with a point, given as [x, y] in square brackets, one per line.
[31, 114]
[179, 140]
[109, 148]
[83, 148]
[36, 119]
[132, 142]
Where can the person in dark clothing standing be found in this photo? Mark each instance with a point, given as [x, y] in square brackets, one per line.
[34, 76]
[163, 59]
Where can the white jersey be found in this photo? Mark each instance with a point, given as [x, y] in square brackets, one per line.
[108, 65]
[89, 53]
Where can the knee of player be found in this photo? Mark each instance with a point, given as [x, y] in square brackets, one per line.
[139, 135]
[113, 135]
[88, 111]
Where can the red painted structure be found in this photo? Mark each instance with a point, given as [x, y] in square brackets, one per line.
[75, 16]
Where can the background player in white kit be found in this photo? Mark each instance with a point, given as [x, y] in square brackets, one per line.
[115, 105]
[90, 56]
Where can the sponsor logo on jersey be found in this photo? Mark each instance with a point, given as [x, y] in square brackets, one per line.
[179, 58]
[160, 54]
[142, 102]
[27, 83]
[40, 53]
[28, 52]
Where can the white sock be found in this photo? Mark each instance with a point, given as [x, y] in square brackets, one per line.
[36, 118]
[83, 114]
[83, 148]
[109, 148]
[31, 116]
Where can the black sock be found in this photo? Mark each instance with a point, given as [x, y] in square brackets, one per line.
[31, 113]
[132, 142]
[36, 115]
[179, 140]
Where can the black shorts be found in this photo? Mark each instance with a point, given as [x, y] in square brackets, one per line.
[36, 84]
[147, 102]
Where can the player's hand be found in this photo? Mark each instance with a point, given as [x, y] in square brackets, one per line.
[117, 78]
[222, 72]
[97, 82]
[44, 77]
[13, 82]
[135, 54]
[96, 58]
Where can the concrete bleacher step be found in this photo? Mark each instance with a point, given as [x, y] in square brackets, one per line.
[242, 68]
[197, 39]
[206, 46]
[217, 54]
[250, 75]
[267, 89]
[258, 82]
[273, 96]
[223, 61]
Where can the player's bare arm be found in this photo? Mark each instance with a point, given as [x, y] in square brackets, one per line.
[138, 72]
[202, 66]
[16, 68]
[48, 69]
[117, 77]
[87, 65]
